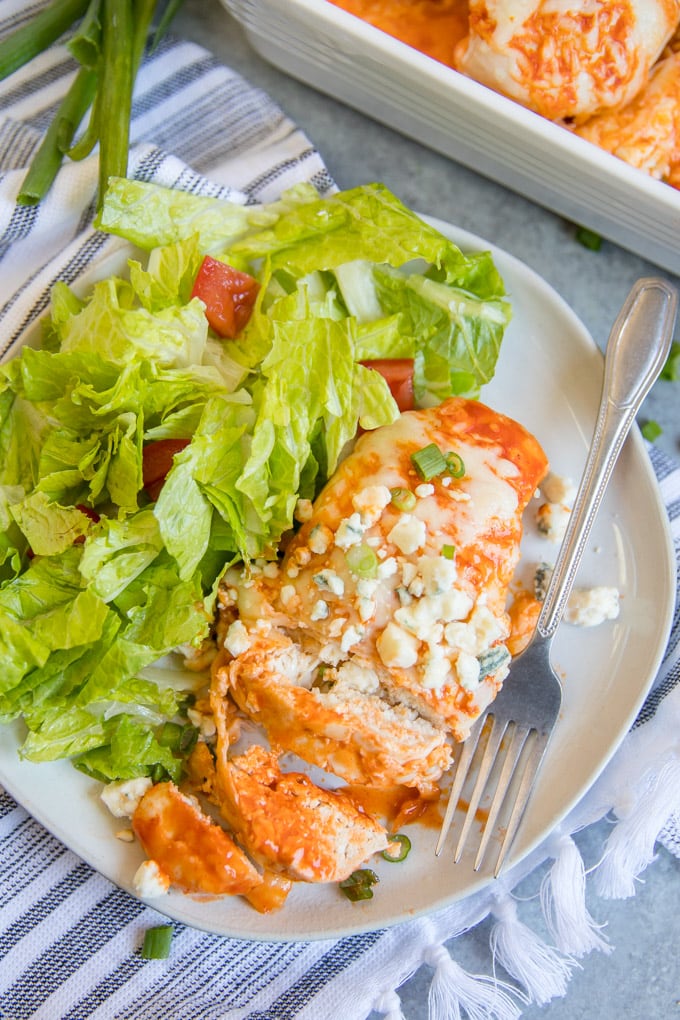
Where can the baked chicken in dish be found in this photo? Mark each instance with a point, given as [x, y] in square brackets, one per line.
[566, 60]
[646, 133]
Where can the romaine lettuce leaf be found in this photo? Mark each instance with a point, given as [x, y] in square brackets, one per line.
[119, 552]
[47, 527]
[131, 750]
[456, 336]
[267, 416]
[150, 215]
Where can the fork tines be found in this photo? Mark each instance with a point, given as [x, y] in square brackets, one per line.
[499, 770]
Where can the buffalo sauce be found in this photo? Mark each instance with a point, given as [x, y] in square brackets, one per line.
[271, 894]
[523, 611]
[398, 805]
[196, 854]
[432, 26]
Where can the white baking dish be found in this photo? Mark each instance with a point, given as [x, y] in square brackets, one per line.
[343, 56]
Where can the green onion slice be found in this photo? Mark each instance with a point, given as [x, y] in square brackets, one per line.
[651, 430]
[429, 462]
[588, 238]
[449, 551]
[157, 942]
[359, 885]
[362, 561]
[403, 499]
[188, 739]
[455, 465]
[170, 735]
[671, 370]
[158, 773]
[399, 848]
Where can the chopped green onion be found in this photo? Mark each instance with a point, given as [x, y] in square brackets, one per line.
[362, 561]
[170, 735]
[588, 238]
[177, 737]
[671, 370]
[186, 699]
[320, 683]
[358, 885]
[403, 499]
[159, 774]
[189, 739]
[455, 465]
[651, 430]
[429, 462]
[157, 942]
[402, 850]
[449, 551]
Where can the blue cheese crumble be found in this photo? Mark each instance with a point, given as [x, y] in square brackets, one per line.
[329, 580]
[408, 534]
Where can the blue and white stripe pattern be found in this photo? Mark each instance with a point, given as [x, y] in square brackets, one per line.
[69, 939]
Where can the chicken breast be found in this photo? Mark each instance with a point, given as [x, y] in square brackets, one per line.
[565, 59]
[197, 854]
[382, 632]
[289, 824]
[344, 724]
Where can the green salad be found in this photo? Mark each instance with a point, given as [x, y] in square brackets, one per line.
[146, 445]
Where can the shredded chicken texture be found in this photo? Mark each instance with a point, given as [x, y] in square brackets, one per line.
[565, 59]
[349, 732]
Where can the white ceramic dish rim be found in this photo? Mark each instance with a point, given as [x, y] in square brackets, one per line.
[396, 53]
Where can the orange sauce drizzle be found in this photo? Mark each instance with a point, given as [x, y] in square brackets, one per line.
[398, 805]
[432, 26]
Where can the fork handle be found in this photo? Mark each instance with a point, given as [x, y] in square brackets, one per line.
[637, 349]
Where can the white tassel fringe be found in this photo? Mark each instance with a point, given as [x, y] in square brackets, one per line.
[563, 898]
[453, 990]
[538, 967]
[389, 1004]
[630, 847]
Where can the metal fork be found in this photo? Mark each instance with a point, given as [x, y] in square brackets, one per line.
[521, 719]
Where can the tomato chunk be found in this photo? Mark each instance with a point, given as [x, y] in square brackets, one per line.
[157, 459]
[398, 374]
[89, 512]
[228, 296]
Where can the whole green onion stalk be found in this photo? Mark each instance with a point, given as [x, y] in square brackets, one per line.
[107, 39]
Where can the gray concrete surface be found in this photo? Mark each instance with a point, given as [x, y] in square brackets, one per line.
[640, 980]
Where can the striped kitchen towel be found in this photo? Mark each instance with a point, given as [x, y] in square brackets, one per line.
[69, 939]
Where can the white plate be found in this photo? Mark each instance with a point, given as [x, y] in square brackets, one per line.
[548, 377]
